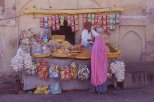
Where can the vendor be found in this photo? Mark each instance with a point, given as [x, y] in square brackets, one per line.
[88, 35]
[67, 31]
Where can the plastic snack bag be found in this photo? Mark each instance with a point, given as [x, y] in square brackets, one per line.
[40, 90]
[73, 70]
[83, 73]
[55, 88]
[54, 71]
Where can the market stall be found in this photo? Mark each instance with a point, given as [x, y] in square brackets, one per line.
[53, 61]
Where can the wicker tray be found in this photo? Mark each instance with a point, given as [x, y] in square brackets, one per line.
[85, 54]
[58, 56]
[41, 55]
[115, 54]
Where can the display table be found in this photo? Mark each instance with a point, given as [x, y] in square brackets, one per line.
[31, 81]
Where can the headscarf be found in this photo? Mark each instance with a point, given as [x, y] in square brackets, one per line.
[86, 24]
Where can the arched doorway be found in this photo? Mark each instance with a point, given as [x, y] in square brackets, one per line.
[131, 46]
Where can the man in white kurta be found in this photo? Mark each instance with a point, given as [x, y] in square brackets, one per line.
[88, 35]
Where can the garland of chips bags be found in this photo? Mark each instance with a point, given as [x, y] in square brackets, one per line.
[31, 71]
[54, 71]
[83, 73]
[118, 68]
[42, 71]
[65, 73]
[73, 70]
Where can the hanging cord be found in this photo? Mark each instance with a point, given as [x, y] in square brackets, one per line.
[19, 19]
[117, 3]
[49, 4]
[97, 3]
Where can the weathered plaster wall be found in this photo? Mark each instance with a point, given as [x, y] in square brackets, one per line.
[135, 33]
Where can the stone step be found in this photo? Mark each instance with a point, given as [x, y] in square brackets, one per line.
[139, 75]
[8, 85]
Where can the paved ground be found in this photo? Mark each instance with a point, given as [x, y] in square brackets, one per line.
[132, 95]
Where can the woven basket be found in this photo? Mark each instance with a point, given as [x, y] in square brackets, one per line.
[58, 38]
[114, 54]
[40, 55]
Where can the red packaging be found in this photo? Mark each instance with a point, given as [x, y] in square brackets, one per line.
[57, 27]
[42, 19]
[57, 17]
[57, 21]
[107, 16]
[53, 17]
[76, 22]
[41, 24]
[50, 22]
[85, 15]
[100, 18]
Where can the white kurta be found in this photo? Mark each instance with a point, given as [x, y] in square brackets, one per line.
[87, 36]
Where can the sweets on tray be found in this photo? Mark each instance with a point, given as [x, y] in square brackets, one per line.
[65, 44]
[62, 52]
[75, 50]
[76, 47]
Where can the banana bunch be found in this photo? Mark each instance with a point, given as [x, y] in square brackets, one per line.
[118, 68]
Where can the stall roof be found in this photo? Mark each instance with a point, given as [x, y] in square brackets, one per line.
[70, 11]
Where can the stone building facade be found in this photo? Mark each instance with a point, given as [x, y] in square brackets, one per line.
[134, 35]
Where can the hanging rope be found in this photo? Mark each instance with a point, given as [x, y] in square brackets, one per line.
[49, 4]
[97, 3]
[117, 3]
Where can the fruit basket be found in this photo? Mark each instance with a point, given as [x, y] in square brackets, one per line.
[114, 51]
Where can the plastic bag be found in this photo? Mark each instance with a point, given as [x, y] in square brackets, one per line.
[41, 90]
[83, 73]
[55, 88]
[54, 71]
[65, 73]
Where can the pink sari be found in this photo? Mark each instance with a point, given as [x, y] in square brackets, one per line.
[99, 62]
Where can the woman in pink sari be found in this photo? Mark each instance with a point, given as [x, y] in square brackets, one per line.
[99, 66]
